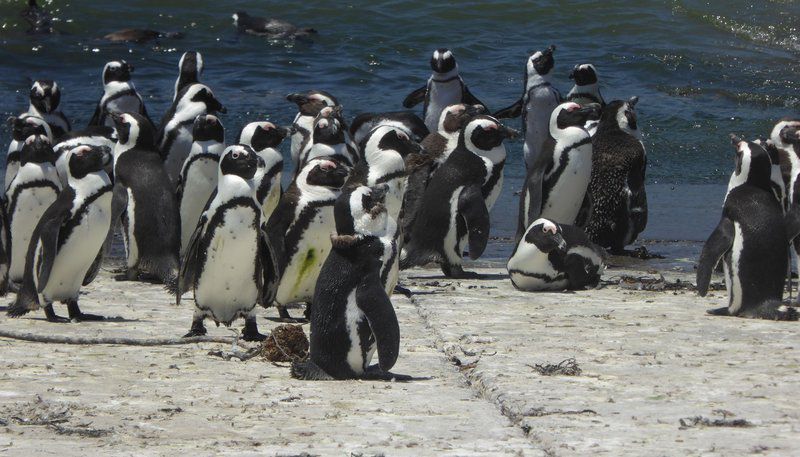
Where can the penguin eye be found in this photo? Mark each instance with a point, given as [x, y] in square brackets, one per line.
[235, 154]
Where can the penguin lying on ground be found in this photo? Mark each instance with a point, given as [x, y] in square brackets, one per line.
[271, 28]
[309, 104]
[406, 121]
[119, 94]
[45, 97]
[551, 256]
[22, 127]
[139, 35]
[265, 138]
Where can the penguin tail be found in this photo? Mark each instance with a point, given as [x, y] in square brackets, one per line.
[773, 310]
[165, 269]
[309, 371]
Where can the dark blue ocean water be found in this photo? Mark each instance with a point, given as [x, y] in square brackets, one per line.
[701, 70]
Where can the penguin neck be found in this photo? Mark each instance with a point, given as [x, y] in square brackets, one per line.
[311, 192]
[383, 161]
[231, 186]
[207, 147]
[445, 77]
[271, 157]
[570, 135]
[113, 87]
[188, 110]
[587, 89]
[90, 183]
[33, 111]
[536, 79]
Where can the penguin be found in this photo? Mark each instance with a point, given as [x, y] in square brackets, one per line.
[309, 105]
[139, 36]
[5, 246]
[785, 137]
[586, 91]
[552, 256]
[22, 127]
[444, 88]
[539, 99]
[190, 67]
[66, 240]
[750, 240]
[352, 314]
[777, 178]
[34, 188]
[228, 263]
[265, 138]
[329, 138]
[617, 196]
[174, 137]
[271, 28]
[458, 199]
[300, 227]
[99, 136]
[45, 97]
[40, 20]
[146, 202]
[119, 94]
[407, 121]
[198, 177]
[555, 186]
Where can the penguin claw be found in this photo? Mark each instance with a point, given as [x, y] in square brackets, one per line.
[253, 336]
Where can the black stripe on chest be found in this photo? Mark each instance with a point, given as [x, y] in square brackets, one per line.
[70, 223]
[292, 239]
[391, 176]
[266, 181]
[559, 169]
[218, 220]
[172, 135]
[497, 172]
[29, 185]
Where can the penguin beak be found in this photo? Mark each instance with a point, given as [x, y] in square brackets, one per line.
[117, 118]
[297, 98]
[508, 132]
[572, 74]
[287, 131]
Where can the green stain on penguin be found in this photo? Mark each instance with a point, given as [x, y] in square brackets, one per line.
[305, 267]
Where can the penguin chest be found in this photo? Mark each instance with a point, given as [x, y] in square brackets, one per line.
[567, 186]
[128, 230]
[272, 197]
[530, 269]
[440, 96]
[29, 205]
[390, 264]
[362, 342]
[123, 104]
[199, 182]
[493, 183]
[300, 276]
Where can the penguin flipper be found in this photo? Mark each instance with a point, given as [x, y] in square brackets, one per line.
[188, 271]
[472, 207]
[372, 300]
[269, 268]
[95, 120]
[416, 97]
[717, 245]
[47, 232]
[515, 110]
[468, 98]
[91, 273]
[530, 200]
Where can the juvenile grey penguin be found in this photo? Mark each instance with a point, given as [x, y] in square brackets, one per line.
[444, 88]
[45, 97]
[66, 241]
[22, 127]
[265, 138]
[406, 121]
[119, 94]
[309, 104]
[190, 67]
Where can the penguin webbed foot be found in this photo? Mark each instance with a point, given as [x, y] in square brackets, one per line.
[398, 289]
[284, 316]
[51, 316]
[250, 332]
[198, 329]
[374, 373]
[719, 311]
[457, 272]
[75, 313]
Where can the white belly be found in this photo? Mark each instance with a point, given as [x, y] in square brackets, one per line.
[537, 123]
[130, 239]
[355, 356]
[565, 199]
[178, 152]
[30, 205]
[200, 182]
[300, 277]
[440, 97]
[527, 261]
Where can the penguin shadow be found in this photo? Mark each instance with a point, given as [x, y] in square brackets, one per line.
[479, 277]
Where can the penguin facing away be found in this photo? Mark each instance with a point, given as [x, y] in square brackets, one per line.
[587, 88]
[265, 138]
[67, 239]
[22, 127]
[190, 67]
[45, 97]
[309, 104]
[406, 121]
[119, 94]
[229, 264]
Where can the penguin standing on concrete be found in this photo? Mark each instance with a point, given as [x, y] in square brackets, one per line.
[265, 138]
[309, 104]
[22, 127]
[119, 94]
[45, 97]
[444, 88]
[190, 67]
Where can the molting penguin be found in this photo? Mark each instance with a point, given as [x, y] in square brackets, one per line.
[750, 240]
[190, 67]
[228, 263]
[300, 227]
[66, 241]
[444, 88]
[119, 94]
[618, 202]
[309, 105]
[536, 104]
[352, 313]
[329, 138]
[45, 97]
[556, 184]
[22, 127]
[96, 136]
[146, 201]
[555, 257]
[175, 135]
[406, 121]
[458, 199]
[199, 173]
[264, 138]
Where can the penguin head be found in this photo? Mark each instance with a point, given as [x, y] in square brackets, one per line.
[786, 133]
[391, 138]
[546, 235]
[329, 126]
[263, 135]
[197, 93]
[324, 172]
[485, 133]
[208, 127]
[362, 211]
[239, 160]
[443, 61]
[541, 62]
[455, 117]
[26, 125]
[37, 149]
[191, 63]
[584, 74]
[620, 114]
[571, 114]
[753, 164]
[45, 95]
[312, 102]
[117, 70]
[239, 18]
[85, 159]
[134, 130]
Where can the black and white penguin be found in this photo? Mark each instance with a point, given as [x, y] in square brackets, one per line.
[352, 314]
[34, 188]
[67, 239]
[22, 127]
[45, 97]
[785, 139]
[617, 197]
[539, 99]
[139, 35]
[198, 177]
[458, 199]
[309, 104]
[329, 138]
[265, 138]
[444, 88]
[300, 227]
[552, 256]
[777, 177]
[750, 240]
[586, 91]
[96, 136]
[275, 29]
[174, 137]
[406, 121]
[145, 200]
[229, 264]
[555, 186]
[190, 67]
[119, 94]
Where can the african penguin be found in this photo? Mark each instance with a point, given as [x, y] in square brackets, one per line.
[777, 177]
[98, 136]
[444, 88]
[190, 67]
[228, 263]
[40, 20]
[45, 97]
[329, 138]
[785, 137]
[22, 127]
[552, 256]
[539, 99]
[585, 91]
[265, 138]
[309, 104]
[275, 29]
[67, 239]
[406, 121]
[119, 94]
[457, 201]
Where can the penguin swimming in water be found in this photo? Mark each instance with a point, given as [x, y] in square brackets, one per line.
[586, 91]
[275, 29]
[309, 105]
[146, 202]
[458, 199]
[119, 94]
[139, 36]
[406, 121]
[229, 264]
[329, 138]
[618, 201]
[45, 97]
[97, 136]
[66, 241]
[40, 20]
[22, 127]
[750, 240]
[198, 177]
[175, 134]
[190, 67]
[537, 103]
[352, 314]
[555, 186]
[265, 138]
[300, 227]
[552, 256]
[444, 88]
